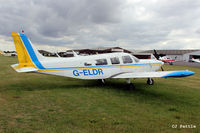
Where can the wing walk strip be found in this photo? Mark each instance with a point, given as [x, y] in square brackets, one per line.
[95, 67]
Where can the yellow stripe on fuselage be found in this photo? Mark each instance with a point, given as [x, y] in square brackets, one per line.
[99, 67]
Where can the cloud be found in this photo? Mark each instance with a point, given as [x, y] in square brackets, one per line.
[135, 24]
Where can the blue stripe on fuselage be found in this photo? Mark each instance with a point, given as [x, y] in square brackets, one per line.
[31, 52]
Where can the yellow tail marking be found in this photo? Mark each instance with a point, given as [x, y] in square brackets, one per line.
[22, 54]
[1, 52]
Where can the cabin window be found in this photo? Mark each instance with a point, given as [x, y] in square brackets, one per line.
[101, 62]
[127, 59]
[87, 64]
[115, 60]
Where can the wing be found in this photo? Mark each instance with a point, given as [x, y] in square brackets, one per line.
[163, 74]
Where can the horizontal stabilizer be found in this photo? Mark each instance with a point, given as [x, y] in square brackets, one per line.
[24, 69]
[163, 74]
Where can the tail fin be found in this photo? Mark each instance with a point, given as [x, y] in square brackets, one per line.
[1, 52]
[28, 56]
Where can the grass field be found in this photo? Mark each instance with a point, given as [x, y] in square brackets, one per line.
[31, 102]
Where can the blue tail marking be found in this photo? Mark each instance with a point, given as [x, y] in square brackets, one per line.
[31, 51]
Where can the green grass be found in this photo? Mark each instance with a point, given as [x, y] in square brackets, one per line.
[31, 102]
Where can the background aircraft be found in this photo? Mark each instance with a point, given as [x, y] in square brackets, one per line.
[167, 59]
[1, 52]
[164, 59]
[195, 60]
[101, 66]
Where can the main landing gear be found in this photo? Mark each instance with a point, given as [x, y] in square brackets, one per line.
[130, 86]
[150, 81]
[102, 81]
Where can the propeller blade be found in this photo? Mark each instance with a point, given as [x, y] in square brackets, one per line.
[157, 57]
[156, 54]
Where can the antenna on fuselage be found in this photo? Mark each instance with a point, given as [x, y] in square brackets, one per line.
[75, 54]
[57, 54]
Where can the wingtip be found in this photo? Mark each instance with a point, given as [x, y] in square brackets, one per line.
[180, 74]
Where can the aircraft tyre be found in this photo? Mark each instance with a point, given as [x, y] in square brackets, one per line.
[131, 86]
[150, 81]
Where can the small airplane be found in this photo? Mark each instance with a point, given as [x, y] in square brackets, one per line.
[1, 52]
[100, 66]
[195, 60]
[8, 54]
[167, 59]
[164, 59]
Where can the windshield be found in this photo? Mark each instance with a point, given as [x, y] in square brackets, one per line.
[135, 58]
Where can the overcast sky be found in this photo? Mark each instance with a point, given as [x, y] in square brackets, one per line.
[132, 24]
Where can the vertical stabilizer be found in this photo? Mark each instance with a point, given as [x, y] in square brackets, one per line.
[28, 56]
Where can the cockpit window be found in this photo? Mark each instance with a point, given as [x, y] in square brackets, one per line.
[115, 60]
[101, 62]
[127, 59]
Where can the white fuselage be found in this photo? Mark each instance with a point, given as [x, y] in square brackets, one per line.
[97, 66]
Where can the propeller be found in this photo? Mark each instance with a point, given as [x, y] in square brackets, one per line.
[157, 57]
[156, 54]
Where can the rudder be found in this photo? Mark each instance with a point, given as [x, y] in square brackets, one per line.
[22, 54]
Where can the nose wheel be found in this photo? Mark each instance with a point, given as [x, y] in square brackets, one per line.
[150, 81]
